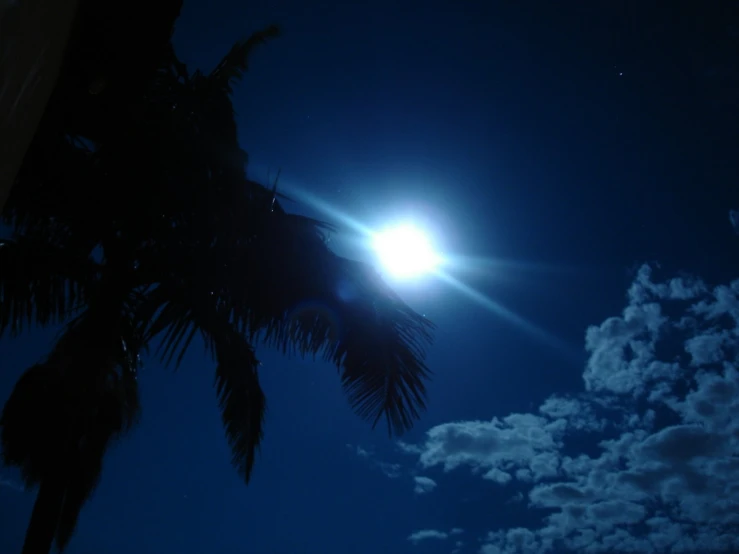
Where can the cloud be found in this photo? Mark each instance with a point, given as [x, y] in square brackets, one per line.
[393, 471]
[575, 413]
[359, 451]
[495, 448]
[660, 413]
[423, 484]
[425, 534]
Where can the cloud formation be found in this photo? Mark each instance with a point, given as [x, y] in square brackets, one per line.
[660, 407]
[425, 534]
[423, 484]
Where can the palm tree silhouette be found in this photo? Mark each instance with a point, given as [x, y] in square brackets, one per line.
[135, 224]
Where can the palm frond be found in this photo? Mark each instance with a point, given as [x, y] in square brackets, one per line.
[41, 283]
[241, 399]
[286, 287]
[174, 316]
[234, 64]
[376, 340]
[177, 316]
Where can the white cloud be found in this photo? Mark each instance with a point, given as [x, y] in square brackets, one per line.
[707, 348]
[495, 447]
[423, 484]
[425, 534]
[576, 413]
[661, 408]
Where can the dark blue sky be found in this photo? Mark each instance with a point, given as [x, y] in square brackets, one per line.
[575, 142]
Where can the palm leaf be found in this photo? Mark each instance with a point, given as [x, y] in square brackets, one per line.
[177, 315]
[241, 399]
[41, 283]
[233, 65]
[375, 339]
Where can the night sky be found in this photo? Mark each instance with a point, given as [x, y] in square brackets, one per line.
[579, 163]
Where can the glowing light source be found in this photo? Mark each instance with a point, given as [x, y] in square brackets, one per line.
[405, 251]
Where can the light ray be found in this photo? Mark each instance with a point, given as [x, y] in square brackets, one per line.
[482, 265]
[326, 208]
[501, 311]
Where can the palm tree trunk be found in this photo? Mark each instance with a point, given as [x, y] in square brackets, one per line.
[33, 37]
[45, 515]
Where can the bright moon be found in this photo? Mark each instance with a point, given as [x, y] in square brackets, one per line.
[405, 251]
